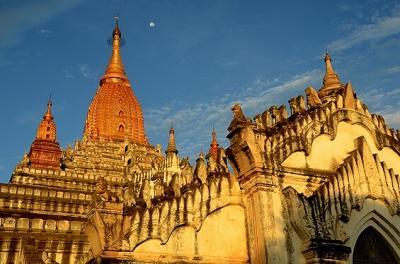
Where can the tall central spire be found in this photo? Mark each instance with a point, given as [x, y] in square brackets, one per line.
[115, 70]
[115, 113]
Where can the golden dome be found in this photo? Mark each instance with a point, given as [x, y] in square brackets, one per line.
[115, 113]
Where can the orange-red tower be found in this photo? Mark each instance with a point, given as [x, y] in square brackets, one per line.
[214, 145]
[45, 151]
[115, 113]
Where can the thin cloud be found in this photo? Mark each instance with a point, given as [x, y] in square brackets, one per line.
[385, 103]
[345, 7]
[228, 64]
[2, 166]
[84, 71]
[17, 19]
[28, 117]
[379, 97]
[392, 116]
[68, 75]
[392, 70]
[195, 121]
[381, 28]
[44, 31]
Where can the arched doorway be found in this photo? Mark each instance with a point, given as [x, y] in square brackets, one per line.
[371, 248]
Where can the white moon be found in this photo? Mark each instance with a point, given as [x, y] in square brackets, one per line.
[152, 24]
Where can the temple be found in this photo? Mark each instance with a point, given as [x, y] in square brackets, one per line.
[316, 184]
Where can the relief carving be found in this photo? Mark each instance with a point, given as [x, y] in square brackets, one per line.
[200, 171]
[297, 105]
[238, 113]
[186, 171]
[102, 193]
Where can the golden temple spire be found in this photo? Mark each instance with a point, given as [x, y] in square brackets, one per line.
[171, 144]
[115, 70]
[115, 113]
[45, 151]
[214, 144]
[48, 115]
[47, 127]
[331, 79]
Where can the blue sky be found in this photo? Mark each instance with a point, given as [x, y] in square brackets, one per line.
[199, 59]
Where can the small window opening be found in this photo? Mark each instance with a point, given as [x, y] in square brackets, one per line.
[121, 128]
[48, 129]
[47, 136]
[121, 113]
[129, 161]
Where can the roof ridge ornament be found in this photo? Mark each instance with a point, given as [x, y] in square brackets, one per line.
[49, 115]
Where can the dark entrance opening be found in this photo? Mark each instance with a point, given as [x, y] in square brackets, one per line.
[372, 248]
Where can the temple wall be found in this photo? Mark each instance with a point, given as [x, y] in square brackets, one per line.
[221, 239]
[295, 247]
[326, 155]
[24, 246]
[43, 211]
[363, 193]
[267, 227]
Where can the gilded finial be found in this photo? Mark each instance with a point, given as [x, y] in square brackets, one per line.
[201, 154]
[115, 70]
[327, 56]
[49, 103]
[116, 30]
[48, 115]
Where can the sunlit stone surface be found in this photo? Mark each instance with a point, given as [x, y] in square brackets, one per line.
[318, 185]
